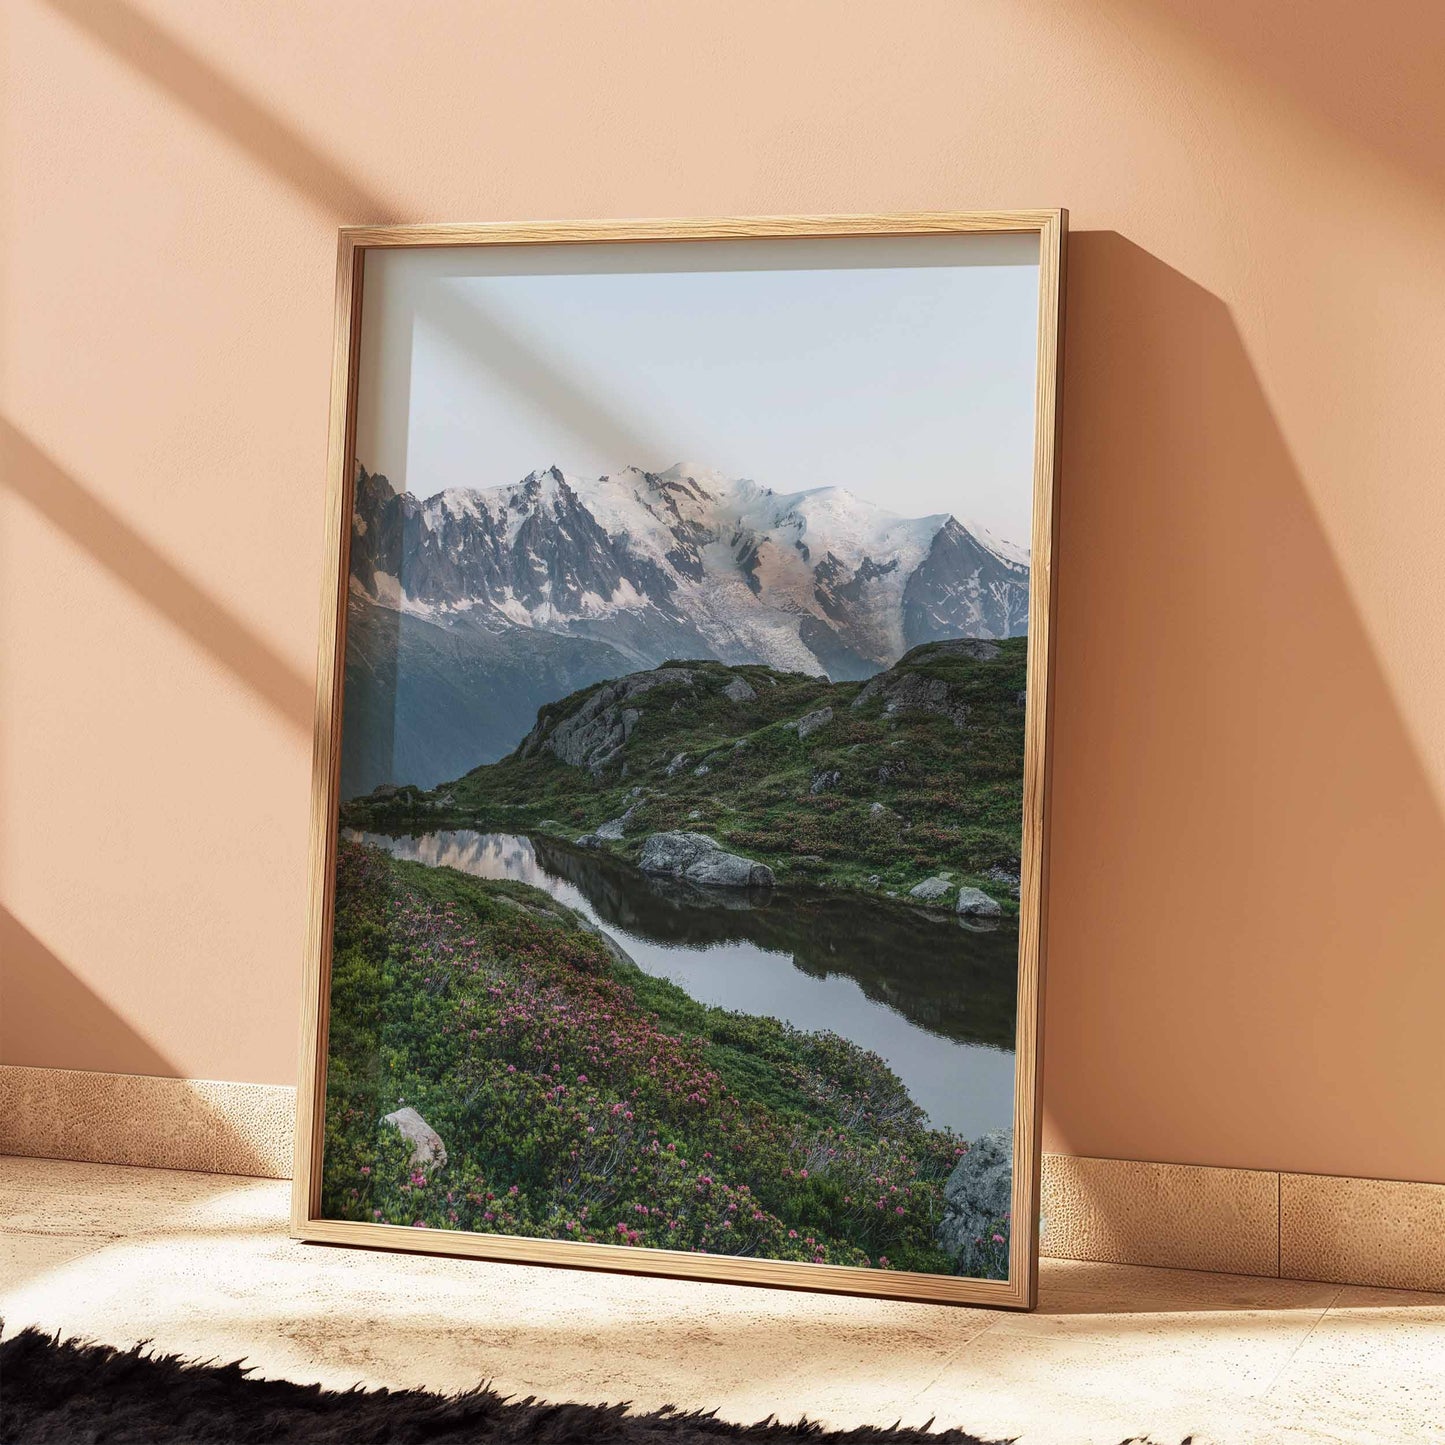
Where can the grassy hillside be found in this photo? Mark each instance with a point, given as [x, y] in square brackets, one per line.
[916, 772]
[580, 1098]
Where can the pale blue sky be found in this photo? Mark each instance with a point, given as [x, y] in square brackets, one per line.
[900, 369]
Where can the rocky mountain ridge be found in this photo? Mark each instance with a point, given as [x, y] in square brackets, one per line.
[687, 563]
[910, 783]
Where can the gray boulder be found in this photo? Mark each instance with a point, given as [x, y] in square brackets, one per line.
[977, 904]
[677, 765]
[979, 1193]
[739, 690]
[729, 870]
[700, 859]
[428, 1151]
[825, 780]
[613, 829]
[932, 890]
[811, 722]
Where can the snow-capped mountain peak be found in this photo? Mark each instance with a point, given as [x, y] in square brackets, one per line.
[704, 476]
[689, 562]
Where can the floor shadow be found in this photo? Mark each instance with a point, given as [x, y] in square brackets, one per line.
[1077, 1287]
[109, 539]
[1242, 828]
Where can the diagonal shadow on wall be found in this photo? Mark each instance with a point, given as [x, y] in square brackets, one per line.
[1378, 84]
[173, 67]
[40, 998]
[110, 540]
[1242, 825]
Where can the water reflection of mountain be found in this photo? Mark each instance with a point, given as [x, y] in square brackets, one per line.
[926, 966]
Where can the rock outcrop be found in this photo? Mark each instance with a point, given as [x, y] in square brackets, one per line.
[977, 1196]
[905, 689]
[596, 733]
[700, 859]
[428, 1151]
[913, 692]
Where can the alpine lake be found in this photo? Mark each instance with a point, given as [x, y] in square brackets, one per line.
[932, 994]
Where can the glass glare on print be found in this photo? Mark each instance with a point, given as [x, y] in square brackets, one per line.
[682, 753]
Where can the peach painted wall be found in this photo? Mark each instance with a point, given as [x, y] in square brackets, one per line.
[1249, 867]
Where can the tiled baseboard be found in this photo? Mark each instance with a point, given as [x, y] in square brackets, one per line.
[1176, 1215]
[1362, 1231]
[138, 1119]
[1180, 1216]
[1245, 1221]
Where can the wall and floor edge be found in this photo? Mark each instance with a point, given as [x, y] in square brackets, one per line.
[1382, 1232]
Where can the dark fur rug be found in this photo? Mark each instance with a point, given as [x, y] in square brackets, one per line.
[55, 1392]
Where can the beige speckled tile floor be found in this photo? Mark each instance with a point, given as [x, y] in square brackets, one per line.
[201, 1264]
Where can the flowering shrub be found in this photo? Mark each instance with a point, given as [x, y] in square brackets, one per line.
[580, 1098]
[986, 1255]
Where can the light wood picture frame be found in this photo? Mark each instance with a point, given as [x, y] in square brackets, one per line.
[361, 597]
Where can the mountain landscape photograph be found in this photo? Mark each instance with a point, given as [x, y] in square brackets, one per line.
[676, 901]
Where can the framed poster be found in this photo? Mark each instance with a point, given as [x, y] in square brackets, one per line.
[682, 744]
